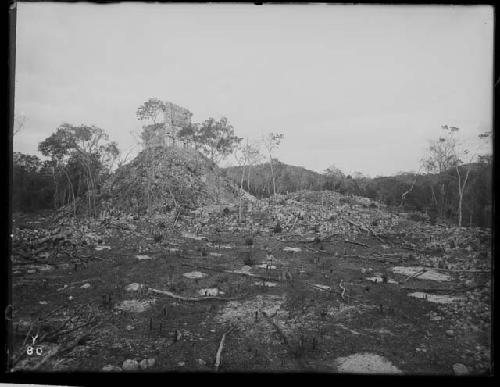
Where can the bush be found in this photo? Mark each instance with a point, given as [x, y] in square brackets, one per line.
[248, 258]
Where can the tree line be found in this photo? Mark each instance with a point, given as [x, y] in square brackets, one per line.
[453, 183]
[77, 159]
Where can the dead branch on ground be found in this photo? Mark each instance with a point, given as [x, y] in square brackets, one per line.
[221, 346]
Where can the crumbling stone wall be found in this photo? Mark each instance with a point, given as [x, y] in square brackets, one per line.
[175, 117]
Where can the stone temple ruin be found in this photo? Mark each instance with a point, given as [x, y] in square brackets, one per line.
[175, 118]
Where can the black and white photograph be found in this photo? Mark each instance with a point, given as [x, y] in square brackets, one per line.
[251, 188]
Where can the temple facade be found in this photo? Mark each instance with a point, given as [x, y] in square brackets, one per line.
[175, 117]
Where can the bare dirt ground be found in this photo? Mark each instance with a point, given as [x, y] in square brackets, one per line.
[126, 297]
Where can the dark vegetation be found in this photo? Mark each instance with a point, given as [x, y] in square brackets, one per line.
[434, 194]
[37, 185]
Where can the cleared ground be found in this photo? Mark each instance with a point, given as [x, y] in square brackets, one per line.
[281, 301]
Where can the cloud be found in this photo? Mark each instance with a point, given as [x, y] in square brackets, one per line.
[364, 87]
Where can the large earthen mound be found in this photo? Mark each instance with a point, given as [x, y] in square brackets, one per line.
[164, 178]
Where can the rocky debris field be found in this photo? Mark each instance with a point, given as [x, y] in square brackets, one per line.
[311, 281]
[161, 179]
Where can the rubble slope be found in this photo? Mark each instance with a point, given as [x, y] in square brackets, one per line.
[167, 177]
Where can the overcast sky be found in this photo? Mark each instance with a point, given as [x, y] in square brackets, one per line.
[361, 87]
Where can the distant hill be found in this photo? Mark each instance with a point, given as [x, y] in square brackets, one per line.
[289, 178]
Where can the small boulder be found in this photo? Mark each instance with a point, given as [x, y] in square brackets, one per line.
[147, 363]
[460, 369]
[111, 368]
[130, 365]
[133, 287]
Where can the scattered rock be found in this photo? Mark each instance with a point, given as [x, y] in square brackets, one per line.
[460, 369]
[147, 363]
[436, 298]
[135, 306]
[194, 274]
[450, 333]
[378, 280]
[143, 257]
[43, 267]
[189, 235]
[201, 362]
[111, 368]
[85, 286]
[429, 274]
[243, 312]
[267, 284]
[133, 287]
[366, 363]
[267, 266]
[209, 292]
[130, 365]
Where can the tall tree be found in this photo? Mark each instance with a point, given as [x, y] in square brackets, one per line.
[153, 132]
[334, 177]
[151, 110]
[84, 151]
[245, 155]
[445, 154]
[190, 134]
[271, 143]
[217, 139]
[19, 122]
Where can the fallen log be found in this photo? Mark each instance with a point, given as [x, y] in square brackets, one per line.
[356, 243]
[182, 298]
[462, 271]
[458, 289]
[415, 275]
[343, 289]
[219, 351]
[317, 251]
[381, 259]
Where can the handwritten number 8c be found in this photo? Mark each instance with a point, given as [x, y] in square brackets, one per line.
[29, 350]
